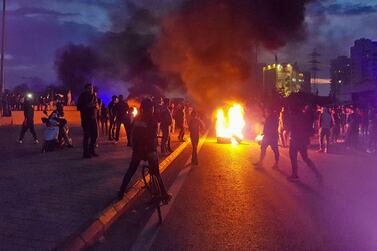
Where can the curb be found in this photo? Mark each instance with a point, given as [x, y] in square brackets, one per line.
[102, 222]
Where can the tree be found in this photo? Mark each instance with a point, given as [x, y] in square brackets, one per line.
[76, 65]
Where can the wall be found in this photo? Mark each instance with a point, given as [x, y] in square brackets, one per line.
[70, 113]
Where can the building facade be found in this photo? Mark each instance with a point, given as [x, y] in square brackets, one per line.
[340, 74]
[284, 79]
[354, 77]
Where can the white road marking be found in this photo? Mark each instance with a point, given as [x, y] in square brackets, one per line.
[152, 228]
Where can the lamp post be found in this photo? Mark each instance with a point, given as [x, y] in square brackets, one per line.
[2, 50]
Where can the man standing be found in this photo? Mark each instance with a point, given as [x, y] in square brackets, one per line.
[179, 117]
[165, 123]
[270, 137]
[325, 124]
[300, 138]
[28, 123]
[122, 113]
[144, 147]
[353, 124]
[111, 110]
[195, 125]
[87, 105]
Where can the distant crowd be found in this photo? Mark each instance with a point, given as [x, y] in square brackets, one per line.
[13, 101]
[295, 126]
[143, 125]
[354, 126]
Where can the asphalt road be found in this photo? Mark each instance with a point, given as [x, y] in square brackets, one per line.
[226, 203]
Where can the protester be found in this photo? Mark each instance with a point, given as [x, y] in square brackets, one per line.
[283, 127]
[336, 118]
[352, 128]
[325, 125]
[165, 123]
[123, 116]
[172, 111]
[104, 119]
[300, 125]
[63, 137]
[144, 147]
[270, 137]
[99, 111]
[179, 117]
[56, 132]
[372, 143]
[28, 123]
[86, 104]
[195, 126]
[111, 109]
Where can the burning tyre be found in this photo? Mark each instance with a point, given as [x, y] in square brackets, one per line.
[230, 125]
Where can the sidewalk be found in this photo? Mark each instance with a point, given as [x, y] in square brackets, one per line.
[45, 198]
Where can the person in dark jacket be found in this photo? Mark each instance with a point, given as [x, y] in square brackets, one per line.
[123, 116]
[301, 126]
[270, 137]
[179, 117]
[111, 111]
[87, 105]
[144, 147]
[165, 123]
[195, 126]
[28, 123]
[352, 131]
[104, 119]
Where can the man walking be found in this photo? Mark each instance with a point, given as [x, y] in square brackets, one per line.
[144, 147]
[300, 138]
[28, 123]
[270, 137]
[87, 105]
[123, 116]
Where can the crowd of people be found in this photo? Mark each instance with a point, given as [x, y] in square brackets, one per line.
[155, 116]
[295, 127]
[154, 119]
[13, 101]
[354, 126]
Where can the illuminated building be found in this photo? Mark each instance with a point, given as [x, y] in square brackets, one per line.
[340, 74]
[283, 78]
[355, 78]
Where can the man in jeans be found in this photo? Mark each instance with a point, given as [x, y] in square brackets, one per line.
[123, 116]
[144, 147]
[325, 124]
[165, 123]
[28, 123]
[111, 110]
[300, 126]
[270, 137]
[87, 105]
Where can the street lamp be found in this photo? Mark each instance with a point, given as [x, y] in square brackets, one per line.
[2, 49]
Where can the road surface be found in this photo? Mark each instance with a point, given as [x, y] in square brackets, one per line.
[226, 203]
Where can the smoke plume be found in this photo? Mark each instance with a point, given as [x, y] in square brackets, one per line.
[205, 48]
[208, 45]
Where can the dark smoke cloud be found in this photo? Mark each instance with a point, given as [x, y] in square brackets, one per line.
[209, 43]
[202, 47]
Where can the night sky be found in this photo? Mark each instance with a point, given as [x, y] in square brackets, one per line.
[35, 29]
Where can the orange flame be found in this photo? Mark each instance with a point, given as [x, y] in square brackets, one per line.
[134, 112]
[231, 127]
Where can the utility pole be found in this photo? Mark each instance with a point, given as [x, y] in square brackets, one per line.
[314, 62]
[2, 87]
